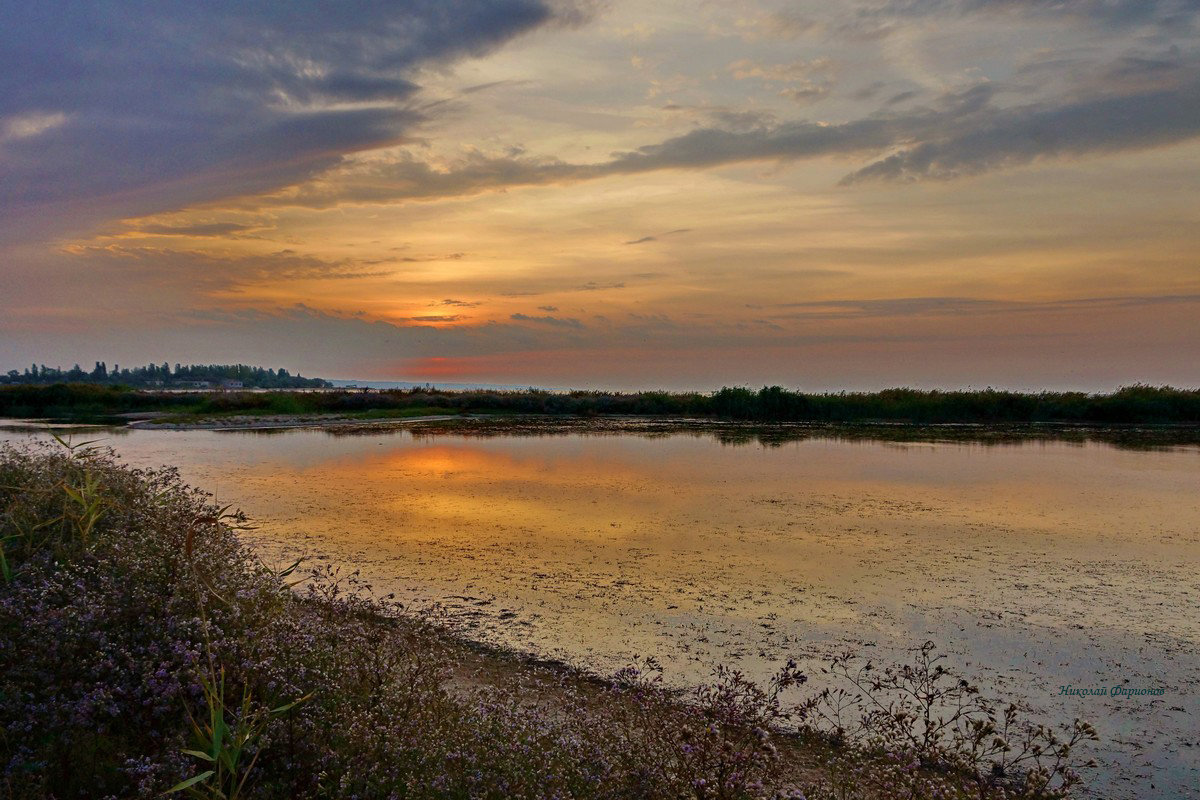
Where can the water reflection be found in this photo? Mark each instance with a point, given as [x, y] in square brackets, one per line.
[1035, 564]
[1132, 437]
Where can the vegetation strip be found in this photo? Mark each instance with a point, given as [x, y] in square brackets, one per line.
[1132, 405]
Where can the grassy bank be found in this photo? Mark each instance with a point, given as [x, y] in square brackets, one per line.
[1140, 405]
[144, 649]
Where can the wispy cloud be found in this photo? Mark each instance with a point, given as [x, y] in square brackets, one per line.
[592, 286]
[866, 20]
[199, 229]
[1000, 138]
[657, 236]
[422, 259]
[29, 124]
[964, 306]
[1115, 13]
[202, 271]
[802, 81]
[962, 133]
[556, 322]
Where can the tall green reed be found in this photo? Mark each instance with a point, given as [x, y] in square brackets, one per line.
[82, 505]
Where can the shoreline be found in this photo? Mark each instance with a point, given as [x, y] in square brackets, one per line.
[732, 431]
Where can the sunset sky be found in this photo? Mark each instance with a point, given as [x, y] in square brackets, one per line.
[619, 194]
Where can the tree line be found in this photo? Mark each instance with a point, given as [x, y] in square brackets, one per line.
[162, 375]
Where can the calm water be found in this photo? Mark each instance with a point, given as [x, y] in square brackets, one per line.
[1032, 565]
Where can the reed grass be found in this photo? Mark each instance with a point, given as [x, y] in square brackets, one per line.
[1137, 404]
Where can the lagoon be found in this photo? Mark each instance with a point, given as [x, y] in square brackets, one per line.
[1035, 565]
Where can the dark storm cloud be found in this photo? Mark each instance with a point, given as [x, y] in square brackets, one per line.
[175, 102]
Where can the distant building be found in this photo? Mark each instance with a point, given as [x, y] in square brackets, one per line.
[194, 384]
[230, 383]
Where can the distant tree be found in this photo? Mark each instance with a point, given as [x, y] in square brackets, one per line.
[160, 374]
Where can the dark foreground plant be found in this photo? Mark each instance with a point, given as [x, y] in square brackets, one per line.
[228, 739]
[923, 719]
[144, 649]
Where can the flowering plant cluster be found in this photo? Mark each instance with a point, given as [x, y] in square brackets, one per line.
[933, 727]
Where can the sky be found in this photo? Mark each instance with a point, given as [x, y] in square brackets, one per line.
[619, 195]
